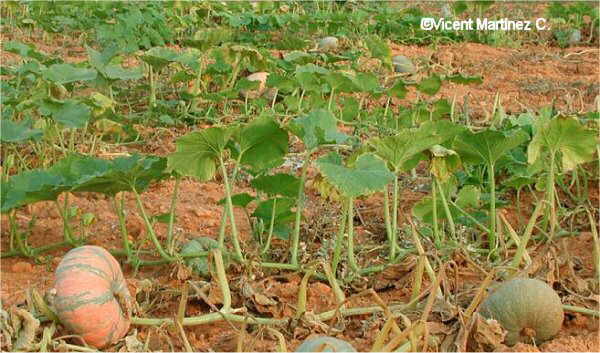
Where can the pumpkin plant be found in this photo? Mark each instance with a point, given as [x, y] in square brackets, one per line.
[487, 147]
[402, 152]
[109, 72]
[366, 175]
[78, 173]
[316, 130]
[260, 144]
[562, 139]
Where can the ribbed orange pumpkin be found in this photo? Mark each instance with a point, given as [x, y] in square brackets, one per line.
[92, 298]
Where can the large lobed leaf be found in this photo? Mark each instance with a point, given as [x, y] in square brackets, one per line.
[262, 143]
[399, 149]
[67, 73]
[368, 174]
[565, 135]
[82, 173]
[11, 131]
[487, 146]
[197, 153]
[278, 184]
[317, 128]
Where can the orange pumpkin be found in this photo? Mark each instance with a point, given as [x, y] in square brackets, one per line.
[92, 298]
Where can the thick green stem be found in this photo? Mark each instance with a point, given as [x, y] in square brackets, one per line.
[152, 87]
[170, 242]
[436, 231]
[394, 219]
[351, 258]
[271, 226]
[223, 223]
[299, 210]
[67, 233]
[119, 208]
[150, 228]
[492, 235]
[222, 279]
[337, 250]
[516, 261]
[550, 196]
[446, 209]
[234, 232]
[578, 309]
[386, 216]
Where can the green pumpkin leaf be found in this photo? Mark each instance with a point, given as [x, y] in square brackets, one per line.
[70, 113]
[99, 60]
[18, 132]
[464, 80]
[67, 73]
[239, 200]
[116, 72]
[197, 153]
[278, 184]
[200, 264]
[430, 85]
[317, 128]
[282, 208]
[368, 82]
[468, 196]
[159, 57]
[340, 81]
[110, 177]
[367, 175]
[487, 146]
[24, 50]
[299, 57]
[406, 145]
[398, 90]
[379, 49]
[262, 143]
[565, 135]
[29, 187]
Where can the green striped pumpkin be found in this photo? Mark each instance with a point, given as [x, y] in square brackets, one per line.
[92, 299]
